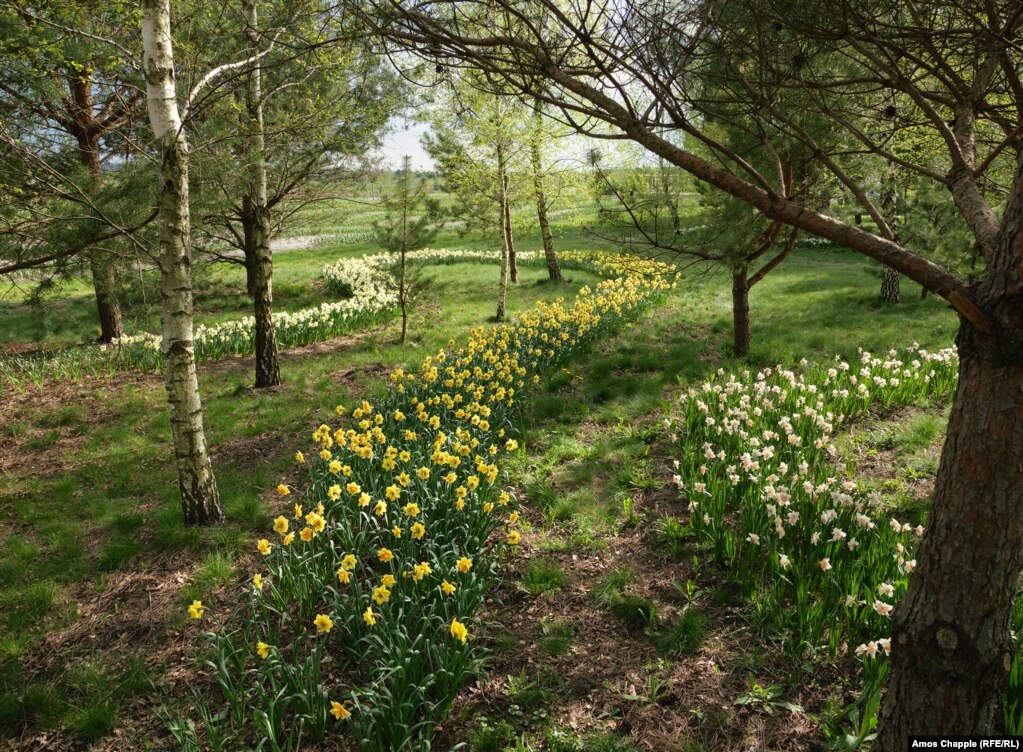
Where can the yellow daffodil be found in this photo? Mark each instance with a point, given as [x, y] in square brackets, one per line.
[264, 546]
[196, 610]
[262, 650]
[368, 617]
[458, 631]
[418, 530]
[323, 623]
[385, 555]
[283, 490]
[338, 710]
[464, 565]
[448, 587]
[281, 525]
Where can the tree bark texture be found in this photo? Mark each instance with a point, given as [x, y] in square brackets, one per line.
[200, 499]
[104, 283]
[951, 646]
[890, 292]
[502, 286]
[506, 224]
[740, 312]
[553, 268]
[86, 132]
[268, 371]
[890, 286]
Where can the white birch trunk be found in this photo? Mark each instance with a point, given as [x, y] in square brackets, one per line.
[200, 500]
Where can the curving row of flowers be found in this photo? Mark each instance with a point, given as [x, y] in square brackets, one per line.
[360, 281]
[364, 605]
[823, 560]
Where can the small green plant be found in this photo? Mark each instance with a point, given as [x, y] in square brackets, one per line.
[636, 613]
[608, 588]
[629, 518]
[491, 737]
[543, 576]
[685, 635]
[674, 536]
[765, 698]
[657, 689]
[557, 636]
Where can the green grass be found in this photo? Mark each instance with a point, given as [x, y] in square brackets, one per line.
[543, 576]
[635, 612]
[557, 636]
[683, 636]
[104, 501]
[608, 588]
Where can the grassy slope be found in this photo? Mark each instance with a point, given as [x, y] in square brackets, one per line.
[88, 498]
[89, 494]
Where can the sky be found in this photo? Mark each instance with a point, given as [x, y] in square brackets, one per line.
[405, 135]
[402, 140]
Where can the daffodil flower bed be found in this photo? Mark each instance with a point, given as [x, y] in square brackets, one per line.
[822, 561]
[364, 605]
[361, 282]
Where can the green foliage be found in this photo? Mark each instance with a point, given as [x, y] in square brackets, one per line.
[557, 636]
[412, 221]
[683, 636]
[608, 588]
[636, 613]
[543, 576]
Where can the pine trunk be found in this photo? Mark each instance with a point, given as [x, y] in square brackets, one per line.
[740, 312]
[200, 500]
[507, 249]
[502, 287]
[268, 371]
[553, 269]
[104, 283]
[890, 292]
[248, 222]
[951, 645]
[509, 242]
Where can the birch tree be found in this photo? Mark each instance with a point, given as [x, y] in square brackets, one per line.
[200, 499]
[478, 144]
